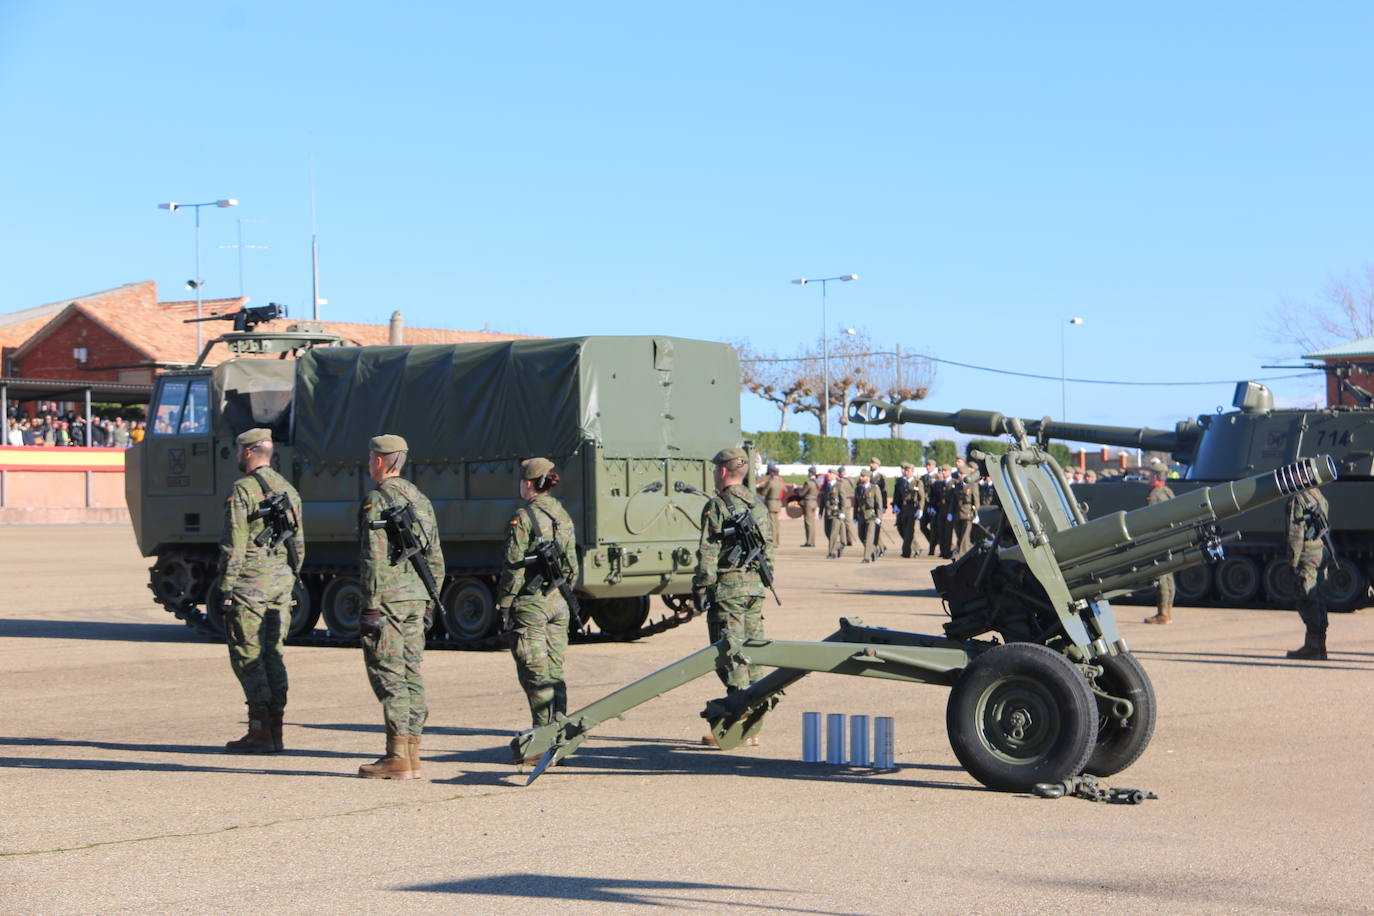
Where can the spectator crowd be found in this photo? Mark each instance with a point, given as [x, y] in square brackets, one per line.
[51, 428]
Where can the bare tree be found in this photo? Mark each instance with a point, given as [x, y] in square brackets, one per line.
[1345, 311]
[784, 382]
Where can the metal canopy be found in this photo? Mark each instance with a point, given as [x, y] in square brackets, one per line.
[33, 389]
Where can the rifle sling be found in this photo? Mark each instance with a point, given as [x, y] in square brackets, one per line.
[290, 539]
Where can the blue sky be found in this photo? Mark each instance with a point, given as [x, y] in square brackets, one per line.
[1169, 172]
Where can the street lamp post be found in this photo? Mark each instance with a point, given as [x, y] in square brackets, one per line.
[197, 282]
[825, 345]
[1063, 370]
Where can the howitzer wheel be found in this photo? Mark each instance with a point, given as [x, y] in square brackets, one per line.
[1121, 742]
[469, 608]
[1238, 580]
[343, 602]
[1280, 585]
[1193, 584]
[1020, 714]
[620, 618]
[1343, 585]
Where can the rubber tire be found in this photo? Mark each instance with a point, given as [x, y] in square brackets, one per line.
[342, 602]
[469, 609]
[1238, 581]
[1120, 744]
[619, 618]
[1193, 584]
[1034, 675]
[1344, 588]
[305, 611]
[1280, 585]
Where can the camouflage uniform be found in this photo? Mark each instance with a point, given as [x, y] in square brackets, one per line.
[393, 654]
[809, 495]
[735, 593]
[771, 492]
[1164, 602]
[257, 582]
[540, 620]
[868, 509]
[1306, 552]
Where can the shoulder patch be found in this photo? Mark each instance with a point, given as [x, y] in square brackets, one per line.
[367, 505]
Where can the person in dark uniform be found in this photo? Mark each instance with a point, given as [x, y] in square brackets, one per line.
[908, 499]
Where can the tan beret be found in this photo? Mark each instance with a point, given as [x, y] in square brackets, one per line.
[866, 473]
[385, 445]
[727, 455]
[253, 437]
[535, 468]
[908, 466]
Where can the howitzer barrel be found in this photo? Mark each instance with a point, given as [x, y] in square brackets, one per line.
[1111, 551]
[991, 423]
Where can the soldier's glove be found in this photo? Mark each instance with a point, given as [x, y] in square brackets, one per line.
[699, 599]
[226, 604]
[504, 611]
[370, 624]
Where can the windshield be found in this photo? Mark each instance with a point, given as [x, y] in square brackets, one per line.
[183, 408]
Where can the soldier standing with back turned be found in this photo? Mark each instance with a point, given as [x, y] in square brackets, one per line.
[255, 583]
[393, 626]
[1307, 530]
[809, 495]
[1164, 603]
[770, 491]
[732, 593]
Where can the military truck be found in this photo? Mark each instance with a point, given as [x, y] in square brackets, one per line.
[1220, 447]
[631, 423]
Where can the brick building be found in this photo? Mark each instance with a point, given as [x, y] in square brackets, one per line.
[1349, 372]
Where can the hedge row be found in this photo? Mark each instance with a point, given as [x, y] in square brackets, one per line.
[808, 448]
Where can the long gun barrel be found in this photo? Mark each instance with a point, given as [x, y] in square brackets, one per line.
[1181, 442]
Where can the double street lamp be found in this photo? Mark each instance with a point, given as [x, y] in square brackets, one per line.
[825, 344]
[197, 283]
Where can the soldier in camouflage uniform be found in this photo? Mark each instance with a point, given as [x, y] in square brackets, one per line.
[1307, 521]
[255, 585]
[393, 626]
[540, 619]
[1164, 602]
[732, 594]
[868, 510]
[770, 491]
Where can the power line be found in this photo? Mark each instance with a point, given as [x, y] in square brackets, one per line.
[1049, 378]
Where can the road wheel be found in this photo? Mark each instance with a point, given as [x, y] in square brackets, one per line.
[1343, 585]
[1238, 580]
[469, 609]
[1120, 743]
[305, 611]
[619, 617]
[1193, 585]
[1280, 585]
[1020, 714]
[343, 602]
[177, 581]
[682, 606]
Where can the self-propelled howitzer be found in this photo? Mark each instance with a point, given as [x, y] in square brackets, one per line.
[1058, 695]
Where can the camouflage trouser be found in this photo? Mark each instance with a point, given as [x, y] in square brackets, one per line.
[256, 630]
[541, 640]
[392, 657]
[1164, 601]
[737, 610]
[1311, 604]
[868, 534]
[834, 535]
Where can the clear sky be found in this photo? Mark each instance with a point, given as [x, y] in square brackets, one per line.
[1169, 172]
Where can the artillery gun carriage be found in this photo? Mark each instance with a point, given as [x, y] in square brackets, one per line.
[1055, 692]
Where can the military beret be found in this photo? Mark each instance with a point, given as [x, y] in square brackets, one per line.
[866, 473]
[873, 459]
[813, 470]
[727, 455]
[385, 445]
[908, 466]
[772, 467]
[535, 468]
[253, 437]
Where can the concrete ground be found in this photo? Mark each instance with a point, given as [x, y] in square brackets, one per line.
[117, 797]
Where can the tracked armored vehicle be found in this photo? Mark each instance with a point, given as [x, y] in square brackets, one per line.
[1215, 448]
[631, 423]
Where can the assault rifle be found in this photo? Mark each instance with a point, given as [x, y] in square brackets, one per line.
[245, 319]
[1315, 520]
[408, 542]
[549, 561]
[279, 521]
[748, 546]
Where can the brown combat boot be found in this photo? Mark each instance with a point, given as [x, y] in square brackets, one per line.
[1313, 647]
[1163, 615]
[396, 763]
[258, 740]
[414, 748]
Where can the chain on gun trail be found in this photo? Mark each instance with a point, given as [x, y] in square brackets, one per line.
[1091, 789]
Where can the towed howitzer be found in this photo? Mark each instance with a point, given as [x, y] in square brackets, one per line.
[246, 318]
[405, 538]
[1059, 695]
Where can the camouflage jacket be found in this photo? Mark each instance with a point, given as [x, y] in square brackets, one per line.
[868, 502]
[554, 524]
[1304, 533]
[1158, 494]
[382, 581]
[240, 558]
[716, 552]
[771, 491]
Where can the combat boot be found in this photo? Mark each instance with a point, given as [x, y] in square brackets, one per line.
[275, 724]
[1163, 615]
[396, 763]
[414, 755]
[258, 740]
[1313, 647]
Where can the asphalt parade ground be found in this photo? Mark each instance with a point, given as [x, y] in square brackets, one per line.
[117, 796]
